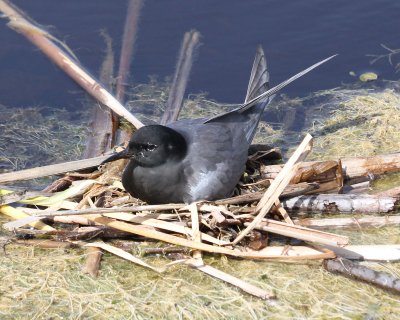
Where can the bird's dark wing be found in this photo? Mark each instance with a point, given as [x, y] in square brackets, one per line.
[246, 122]
[215, 159]
[269, 93]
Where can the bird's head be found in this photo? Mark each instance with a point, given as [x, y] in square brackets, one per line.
[152, 146]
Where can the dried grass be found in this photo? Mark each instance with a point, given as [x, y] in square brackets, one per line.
[49, 284]
[43, 284]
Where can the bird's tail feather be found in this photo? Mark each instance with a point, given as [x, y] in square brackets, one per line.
[269, 93]
[259, 77]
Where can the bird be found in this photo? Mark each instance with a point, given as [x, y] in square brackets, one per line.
[198, 159]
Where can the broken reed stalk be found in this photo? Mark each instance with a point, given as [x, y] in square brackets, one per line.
[17, 214]
[363, 273]
[245, 286]
[164, 225]
[301, 233]
[177, 91]
[196, 234]
[342, 203]
[93, 260]
[41, 39]
[394, 192]
[153, 234]
[128, 44]
[197, 262]
[18, 195]
[46, 244]
[353, 168]
[102, 129]
[364, 222]
[278, 185]
[127, 256]
[25, 219]
[51, 169]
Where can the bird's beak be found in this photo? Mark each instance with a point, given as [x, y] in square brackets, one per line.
[124, 154]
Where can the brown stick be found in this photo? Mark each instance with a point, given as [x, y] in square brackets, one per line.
[140, 230]
[246, 287]
[363, 273]
[46, 244]
[301, 233]
[353, 167]
[93, 260]
[349, 222]
[40, 39]
[128, 43]
[278, 185]
[101, 134]
[164, 250]
[394, 192]
[174, 104]
[50, 170]
[290, 191]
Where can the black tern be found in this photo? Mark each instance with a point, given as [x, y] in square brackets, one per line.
[198, 159]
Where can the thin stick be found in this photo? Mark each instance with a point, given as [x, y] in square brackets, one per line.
[127, 256]
[390, 252]
[147, 221]
[245, 286]
[145, 232]
[128, 43]
[363, 273]
[196, 234]
[364, 222]
[283, 212]
[174, 104]
[41, 39]
[94, 211]
[394, 192]
[278, 185]
[301, 233]
[51, 169]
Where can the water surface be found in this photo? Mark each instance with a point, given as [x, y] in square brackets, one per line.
[294, 35]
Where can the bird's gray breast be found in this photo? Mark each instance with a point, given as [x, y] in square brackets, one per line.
[161, 184]
[215, 160]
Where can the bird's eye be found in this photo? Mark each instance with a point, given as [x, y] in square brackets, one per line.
[149, 147]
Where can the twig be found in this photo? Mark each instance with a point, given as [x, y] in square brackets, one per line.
[353, 168]
[103, 122]
[152, 234]
[147, 221]
[301, 233]
[42, 40]
[196, 234]
[19, 214]
[394, 192]
[46, 244]
[50, 170]
[177, 91]
[363, 273]
[127, 256]
[342, 203]
[128, 43]
[278, 185]
[349, 222]
[245, 286]
[390, 252]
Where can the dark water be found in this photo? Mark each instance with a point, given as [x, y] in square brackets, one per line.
[294, 35]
